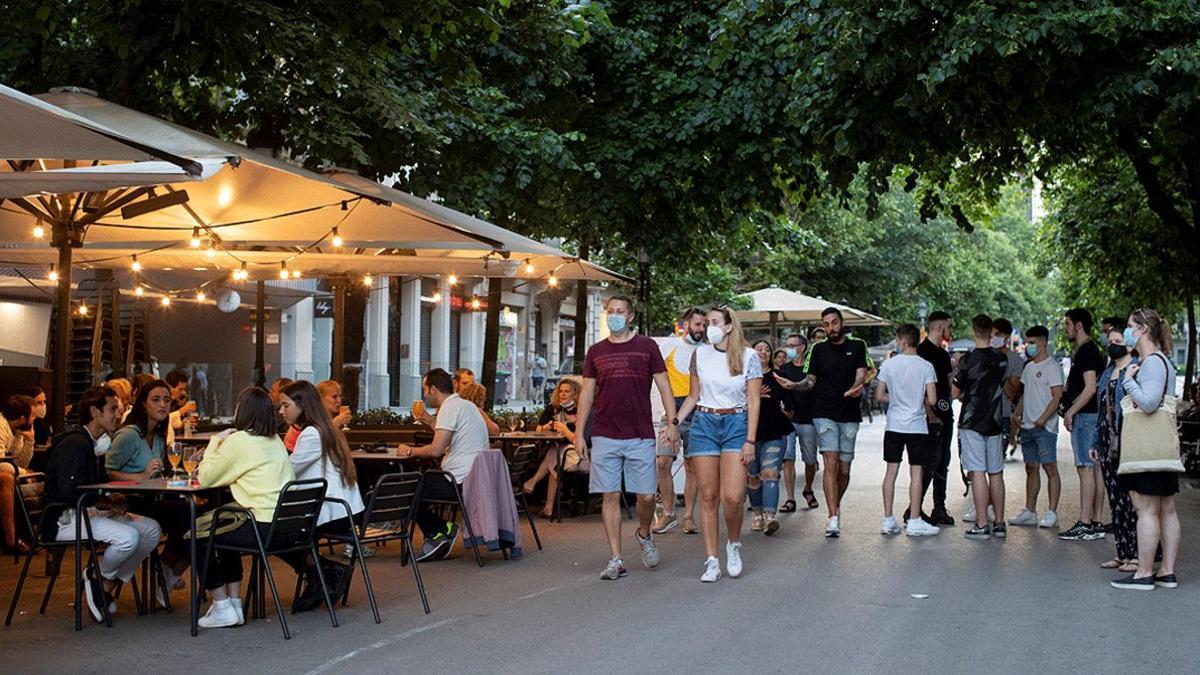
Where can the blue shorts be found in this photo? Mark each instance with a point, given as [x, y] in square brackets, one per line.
[1039, 446]
[1083, 437]
[712, 434]
[836, 437]
[806, 441]
[631, 458]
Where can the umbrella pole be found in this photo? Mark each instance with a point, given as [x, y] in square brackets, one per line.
[339, 329]
[63, 241]
[260, 334]
[774, 328]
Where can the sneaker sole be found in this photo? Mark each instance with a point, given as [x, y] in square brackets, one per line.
[666, 528]
[920, 534]
[1132, 587]
[890, 533]
[1000, 535]
[88, 595]
[1167, 584]
[978, 537]
[832, 534]
[710, 581]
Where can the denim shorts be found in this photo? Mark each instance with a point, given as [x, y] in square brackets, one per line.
[1039, 446]
[806, 442]
[631, 458]
[836, 437]
[712, 434]
[981, 453]
[1083, 437]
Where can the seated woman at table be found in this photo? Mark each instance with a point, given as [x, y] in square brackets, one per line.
[250, 459]
[331, 399]
[558, 416]
[321, 452]
[73, 462]
[16, 447]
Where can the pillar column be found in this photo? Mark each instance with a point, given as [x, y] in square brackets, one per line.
[376, 347]
[410, 341]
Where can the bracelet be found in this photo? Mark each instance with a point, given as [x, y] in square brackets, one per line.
[749, 442]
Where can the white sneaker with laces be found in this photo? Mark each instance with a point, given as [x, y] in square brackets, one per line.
[890, 526]
[917, 527]
[1026, 518]
[650, 556]
[733, 558]
[221, 614]
[1049, 520]
[833, 530]
[712, 570]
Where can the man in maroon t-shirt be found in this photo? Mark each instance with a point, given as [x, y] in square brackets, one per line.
[616, 378]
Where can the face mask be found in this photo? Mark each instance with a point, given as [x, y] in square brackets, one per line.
[691, 340]
[715, 334]
[39, 411]
[569, 405]
[616, 322]
[103, 444]
[1031, 350]
[1116, 351]
[997, 343]
[1130, 338]
[791, 353]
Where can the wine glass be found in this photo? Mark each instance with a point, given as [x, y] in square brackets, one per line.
[175, 456]
[191, 461]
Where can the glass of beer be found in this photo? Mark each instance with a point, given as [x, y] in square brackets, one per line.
[175, 456]
[191, 461]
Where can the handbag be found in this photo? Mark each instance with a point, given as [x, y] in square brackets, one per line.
[1149, 440]
[230, 521]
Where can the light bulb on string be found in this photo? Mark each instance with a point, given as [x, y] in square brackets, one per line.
[195, 237]
[136, 266]
[475, 303]
[295, 274]
[139, 291]
[166, 301]
[283, 270]
[53, 274]
[337, 238]
[200, 296]
[552, 281]
[241, 274]
[528, 266]
[83, 310]
[452, 279]
[368, 280]
[212, 250]
[38, 230]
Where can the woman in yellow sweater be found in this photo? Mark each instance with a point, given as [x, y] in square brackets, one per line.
[251, 460]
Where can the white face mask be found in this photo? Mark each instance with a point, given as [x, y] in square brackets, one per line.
[103, 444]
[997, 342]
[715, 334]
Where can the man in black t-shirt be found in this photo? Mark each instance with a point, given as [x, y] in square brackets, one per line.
[979, 383]
[1080, 417]
[941, 432]
[836, 372]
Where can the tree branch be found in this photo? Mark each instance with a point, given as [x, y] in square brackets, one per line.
[1160, 201]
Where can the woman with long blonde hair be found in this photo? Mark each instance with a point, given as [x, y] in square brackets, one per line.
[725, 379]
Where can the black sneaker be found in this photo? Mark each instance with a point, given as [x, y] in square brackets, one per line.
[93, 593]
[1133, 584]
[1078, 531]
[432, 548]
[1000, 531]
[1166, 581]
[940, 518]
[978, 532]
[1107, 527]
[1095, 531]
[451, 536]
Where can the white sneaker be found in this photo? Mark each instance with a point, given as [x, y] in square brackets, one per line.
[650, 556]
[1025, 517]
[917, 527]
[712, 570]
[221, 614]
[890, 526]
[832, 530]
[1049, 520]
[237, 607]
[733, 558]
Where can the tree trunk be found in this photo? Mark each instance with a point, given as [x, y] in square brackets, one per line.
[581, 310]
[491, 340]
[1189, 373]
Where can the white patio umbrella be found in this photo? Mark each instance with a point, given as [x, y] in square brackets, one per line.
[775, 305]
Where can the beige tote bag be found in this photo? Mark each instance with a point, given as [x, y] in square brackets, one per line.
[1149, 440]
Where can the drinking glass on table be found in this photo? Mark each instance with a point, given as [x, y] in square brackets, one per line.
[191, 461]
[175, 456]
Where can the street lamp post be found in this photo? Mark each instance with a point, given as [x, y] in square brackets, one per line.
[922, 312]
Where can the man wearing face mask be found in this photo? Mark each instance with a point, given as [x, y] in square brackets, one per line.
[1079, 400]
[617, 374]
[1037, 412]
[41, 428]
[800, 410]
[677, 355]
[1001, 337]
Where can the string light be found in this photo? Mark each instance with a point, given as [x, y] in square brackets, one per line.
[295, 274]
[552, 281]
[368, 280]
[139, 291]
[53, 274]
[452, 279]
[200, 296]
[475, 303]
[38, 230]
[212, 250]
[437, 296]
[337, 238]
[166, 301]
[83, 310]
[283, 270]
[195, 237]
[528, 266]
[241, 274]
[136, 266]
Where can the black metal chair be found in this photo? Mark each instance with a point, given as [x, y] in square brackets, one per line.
[393, 500]
[577, 483]
[44, 538]
[292, 530]
[455, 506]
[520, 467]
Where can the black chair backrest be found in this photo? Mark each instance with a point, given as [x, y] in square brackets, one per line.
[30, 503]
[520, 465]
[296, 514]
[393, 498]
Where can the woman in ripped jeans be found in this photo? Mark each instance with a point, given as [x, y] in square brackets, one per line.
[762, 479]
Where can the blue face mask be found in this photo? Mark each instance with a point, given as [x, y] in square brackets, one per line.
[791, 353]
[1031, 350]
[1130, 338]
[616, 322]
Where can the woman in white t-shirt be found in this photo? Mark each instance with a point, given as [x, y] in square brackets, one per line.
[725, 378]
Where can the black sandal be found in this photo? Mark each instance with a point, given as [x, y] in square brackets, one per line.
[810, 498]
[788, 507]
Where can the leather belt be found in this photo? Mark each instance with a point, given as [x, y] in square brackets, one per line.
[721, 411]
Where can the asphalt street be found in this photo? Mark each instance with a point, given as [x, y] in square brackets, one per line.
[861, 603]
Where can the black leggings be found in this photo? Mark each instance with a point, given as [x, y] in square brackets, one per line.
[226, 566]
[435, 487]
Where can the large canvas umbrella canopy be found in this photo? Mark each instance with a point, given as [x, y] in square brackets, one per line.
[100, 177]
[776, 305]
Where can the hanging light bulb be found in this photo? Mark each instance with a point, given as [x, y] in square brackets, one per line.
[337, 238]
[368, 280]
[437, 296]
[552, 281]
[452, 279]
[136, 266]
[195, 237]
[212, 250]
[200, 296]
[83, 310]
[53, 274]
[38, 230]
[295, 274]
[139, 291]
[166, 301]
[475, 303]
[241, 274]
[528, 266]
[283, 270]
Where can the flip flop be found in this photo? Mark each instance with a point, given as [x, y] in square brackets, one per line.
[689, 526]
[788, 507]
[810, 498]
[1112, 564]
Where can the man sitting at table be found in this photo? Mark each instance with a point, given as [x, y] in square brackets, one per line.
[16, 444]
[75, 461]
[459, 435]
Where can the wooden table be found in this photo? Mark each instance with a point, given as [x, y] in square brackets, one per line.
[189, 492]
[510, 439]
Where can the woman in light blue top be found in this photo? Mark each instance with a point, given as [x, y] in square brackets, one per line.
[1153, 493]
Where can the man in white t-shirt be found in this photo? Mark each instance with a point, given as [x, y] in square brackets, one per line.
[1037, 411]
[908, 384]
[459, 435]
